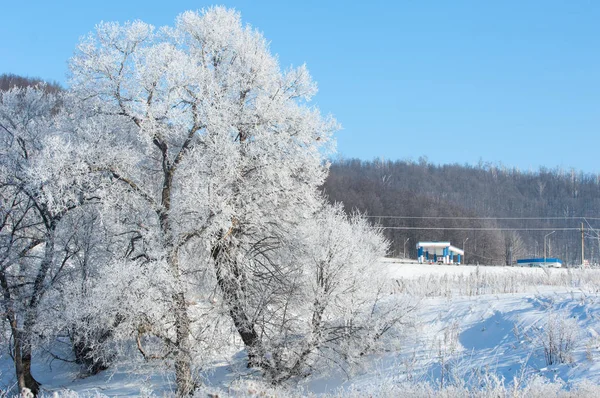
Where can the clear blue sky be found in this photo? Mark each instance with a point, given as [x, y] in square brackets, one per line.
[516, 82]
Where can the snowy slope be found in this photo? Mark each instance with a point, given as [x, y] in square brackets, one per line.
[459, 336]
[463, 338]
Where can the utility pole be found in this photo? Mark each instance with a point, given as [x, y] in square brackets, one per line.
[582, 258]
[545, 245]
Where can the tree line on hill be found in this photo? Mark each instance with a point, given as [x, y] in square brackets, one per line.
[499, 214]
[10, 80]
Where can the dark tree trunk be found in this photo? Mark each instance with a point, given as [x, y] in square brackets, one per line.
[26, 354]
[228, 278]
[21, 344]
[26, 379]
[22, 358]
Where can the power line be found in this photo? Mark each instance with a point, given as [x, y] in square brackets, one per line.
[481, 229]
[486, 218]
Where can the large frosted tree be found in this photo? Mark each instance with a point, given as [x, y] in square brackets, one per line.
[177, 182]
[207, 149]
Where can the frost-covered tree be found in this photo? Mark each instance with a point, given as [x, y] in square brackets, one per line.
[336, 304]
[204, 160]
[34, 247]
[70, 315]
[205, 144]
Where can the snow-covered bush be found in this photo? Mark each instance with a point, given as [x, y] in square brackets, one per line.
[557, 338]
[338, 304]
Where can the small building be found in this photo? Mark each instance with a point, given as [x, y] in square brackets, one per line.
[438, 252]
[540, 262]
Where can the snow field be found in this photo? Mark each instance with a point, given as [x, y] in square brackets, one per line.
[465, 346]
[447, 280]
[476, 331]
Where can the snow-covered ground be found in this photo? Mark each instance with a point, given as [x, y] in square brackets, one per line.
[468, 337]
[413, 270]
[476, 322]
[471, 325]
[405, 268]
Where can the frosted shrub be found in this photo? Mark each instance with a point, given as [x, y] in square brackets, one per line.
[485, 281]
[557, 338]
[491, 386]
[336, 305]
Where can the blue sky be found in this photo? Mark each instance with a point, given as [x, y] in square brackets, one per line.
[511, 82]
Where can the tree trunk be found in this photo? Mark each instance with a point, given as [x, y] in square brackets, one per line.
[26, 379]
[22, 358]
[26, 353]
[21, 344]
[228, 281]
[22, 339]
[18, 358]
[183, 358]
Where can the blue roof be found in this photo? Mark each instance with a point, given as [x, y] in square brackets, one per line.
[539, 260]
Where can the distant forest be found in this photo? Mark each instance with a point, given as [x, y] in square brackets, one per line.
[499, 214]
[9, 80]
